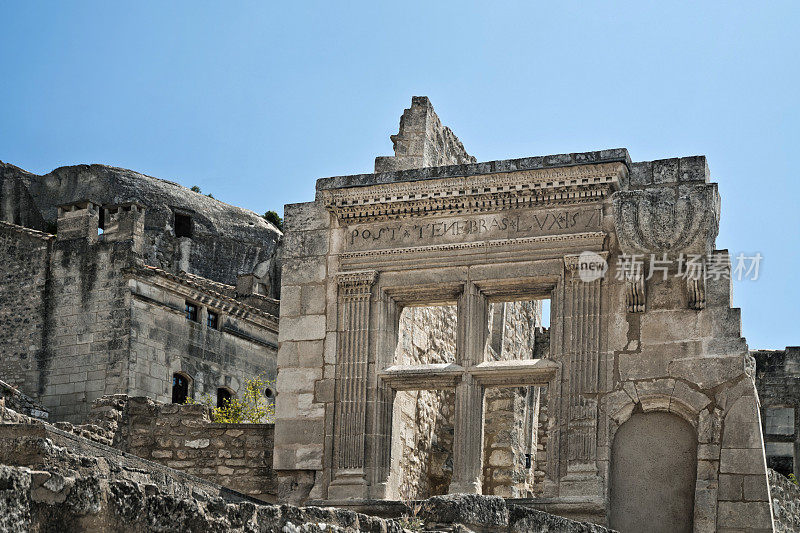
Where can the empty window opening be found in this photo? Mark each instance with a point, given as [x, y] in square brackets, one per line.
[224, 396]
[512, 429]
[191, 311]
[422, 421]
[180, 388]
[269, 393]
[101, 221]
[212, 320]
[183, 225]
[517, 330]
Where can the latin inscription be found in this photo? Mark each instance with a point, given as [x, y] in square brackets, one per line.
[509, 225]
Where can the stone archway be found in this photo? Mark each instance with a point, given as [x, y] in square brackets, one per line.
[653, 473]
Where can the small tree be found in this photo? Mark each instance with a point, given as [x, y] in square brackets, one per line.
[252, 408]
[273, 218]
[195, 188]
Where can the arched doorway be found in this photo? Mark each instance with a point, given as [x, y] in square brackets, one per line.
[653, 472]
[180, 388]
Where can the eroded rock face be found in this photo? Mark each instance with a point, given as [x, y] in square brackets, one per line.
[785, 502]
[223, 240]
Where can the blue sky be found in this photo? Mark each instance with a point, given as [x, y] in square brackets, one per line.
[255, 101]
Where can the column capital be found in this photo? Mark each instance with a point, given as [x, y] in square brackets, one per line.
[357, 278]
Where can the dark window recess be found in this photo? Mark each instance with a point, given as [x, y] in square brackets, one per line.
[191, 312]
[528, 461]
[782, 465]
[101, 221]
[183, 225]
[180, 388]
[223, 396]
[213, 320]
[268, 392]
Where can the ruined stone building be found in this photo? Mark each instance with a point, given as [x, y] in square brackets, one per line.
[440, 326]
[116, 282]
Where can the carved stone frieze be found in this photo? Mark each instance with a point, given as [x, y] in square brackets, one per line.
[475, 194]
[666, 219]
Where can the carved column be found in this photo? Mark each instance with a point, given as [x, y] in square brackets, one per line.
[581, 357]
[468, 432]
[355, 289]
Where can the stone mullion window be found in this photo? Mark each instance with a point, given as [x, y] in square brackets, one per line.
[352, 365]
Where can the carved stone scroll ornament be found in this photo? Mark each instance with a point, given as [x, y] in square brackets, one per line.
[635, 291]
[665, 220]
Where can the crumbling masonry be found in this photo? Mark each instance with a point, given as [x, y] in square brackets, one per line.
[402, 315]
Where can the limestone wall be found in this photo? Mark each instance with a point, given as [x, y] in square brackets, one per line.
[237, 456]
[164, 342]
[23, 328]
[778, 384]
[89, 321]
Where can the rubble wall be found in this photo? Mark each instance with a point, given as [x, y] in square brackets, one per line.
[237, 456]
[23, 328]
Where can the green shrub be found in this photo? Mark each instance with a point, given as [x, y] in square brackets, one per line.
[252, 408]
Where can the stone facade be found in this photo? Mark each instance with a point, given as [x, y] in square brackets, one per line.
[411, 359]
[646, 340]
[86, 317]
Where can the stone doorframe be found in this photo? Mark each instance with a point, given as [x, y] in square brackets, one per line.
[369, 308]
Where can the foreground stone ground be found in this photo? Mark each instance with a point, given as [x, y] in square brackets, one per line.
[57, 479]
[46, 500]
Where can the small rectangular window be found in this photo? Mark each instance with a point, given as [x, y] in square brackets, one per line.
[183, 225]
[213, 320]
[191, 312]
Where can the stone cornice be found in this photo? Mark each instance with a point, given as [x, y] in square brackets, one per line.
[190, 288]
[475, 194]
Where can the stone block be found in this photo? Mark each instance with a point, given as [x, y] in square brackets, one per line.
[742, 424]
[290, 300]
[310, 354]
[306, 432]
[297, 380]
[306, 243]
[742, 461]
[302, 328]
[744, 515]
[313, 299]
[323, 390]
[665, 170]
[707, 372]
[694, 169]
[641, 173]
[730, 487]
[305, 216]
[298, 271]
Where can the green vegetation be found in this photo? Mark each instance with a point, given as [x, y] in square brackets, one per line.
[273, 218]
[252, 408]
